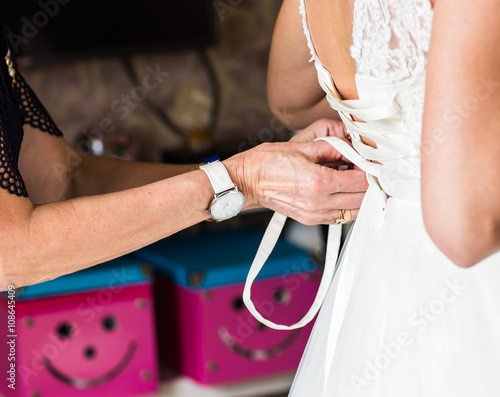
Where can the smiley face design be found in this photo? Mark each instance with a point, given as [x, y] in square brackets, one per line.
[88, 343]
[236, 346]
[65, 331]
[256, 331]
[238, 338]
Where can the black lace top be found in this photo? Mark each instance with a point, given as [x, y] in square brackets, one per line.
[18, 106]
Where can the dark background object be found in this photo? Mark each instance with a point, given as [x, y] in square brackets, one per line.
[49, 31]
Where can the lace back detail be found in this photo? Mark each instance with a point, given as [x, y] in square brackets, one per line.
[11, 132]
[391, 38]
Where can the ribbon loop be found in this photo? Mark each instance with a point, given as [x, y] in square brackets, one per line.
[269, 240]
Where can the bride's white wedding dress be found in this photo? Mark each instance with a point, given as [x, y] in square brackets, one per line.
[398, 318]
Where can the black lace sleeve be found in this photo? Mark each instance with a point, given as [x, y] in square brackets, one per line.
[11, 136]
[34, 113]
[19, 105]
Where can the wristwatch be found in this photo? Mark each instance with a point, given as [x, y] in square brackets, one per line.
[228, 200]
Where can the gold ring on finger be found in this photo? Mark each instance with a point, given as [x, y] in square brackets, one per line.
[341, 219]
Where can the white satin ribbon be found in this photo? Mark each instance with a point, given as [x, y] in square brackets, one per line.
[269, 240]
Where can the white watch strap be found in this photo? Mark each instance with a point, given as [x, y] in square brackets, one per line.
[219, 177]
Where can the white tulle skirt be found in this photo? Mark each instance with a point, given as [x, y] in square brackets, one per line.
[401, 320]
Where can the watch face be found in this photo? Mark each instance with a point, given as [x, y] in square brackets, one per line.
[227, 205]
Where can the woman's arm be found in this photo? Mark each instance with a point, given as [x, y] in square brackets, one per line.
[293, 91]
[461, 134]
[39, 243]
[42, 242]
[54, 171]
[98, 175]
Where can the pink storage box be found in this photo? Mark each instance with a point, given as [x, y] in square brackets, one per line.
[205, 331]
[93, 342]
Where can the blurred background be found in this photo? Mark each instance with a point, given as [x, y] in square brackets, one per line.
[88, 61]
[178, 82]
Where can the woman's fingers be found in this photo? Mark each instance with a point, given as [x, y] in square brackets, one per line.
[346, 201]
[323, 203]
[318, 193]
[347, 181]
[327, 217]
[323, 210]
[322, 152]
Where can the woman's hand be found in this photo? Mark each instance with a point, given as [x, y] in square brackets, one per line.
[291, 178]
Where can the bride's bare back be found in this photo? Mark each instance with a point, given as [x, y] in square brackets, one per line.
[330, 24]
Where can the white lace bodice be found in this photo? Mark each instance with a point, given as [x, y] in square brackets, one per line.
[390, 45]
[391, 38]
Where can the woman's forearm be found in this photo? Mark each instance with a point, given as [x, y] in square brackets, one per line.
[60, 238]
[100, 175]
[54, 171]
